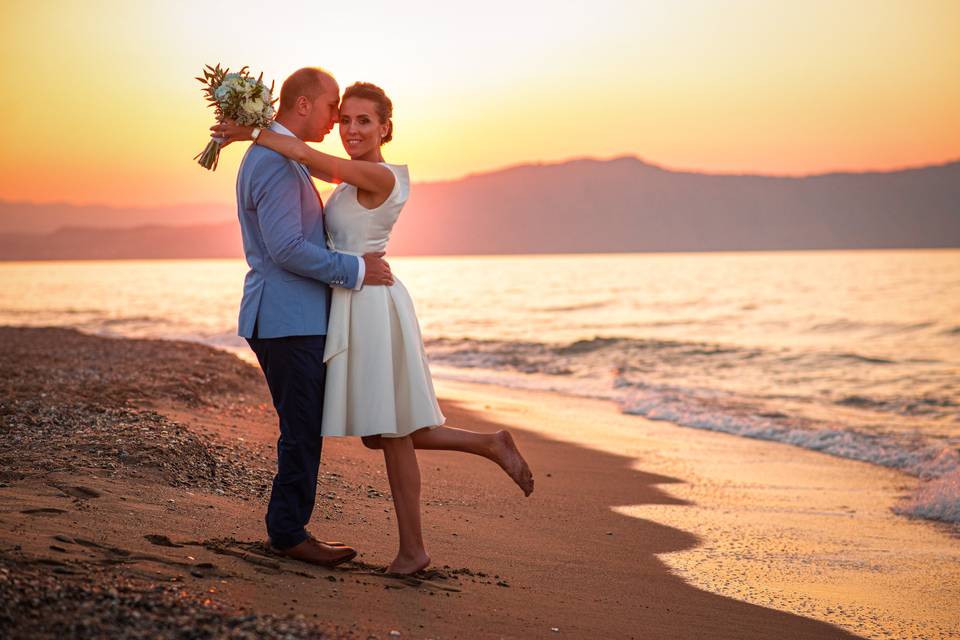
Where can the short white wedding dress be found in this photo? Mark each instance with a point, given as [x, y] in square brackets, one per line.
[378, 379]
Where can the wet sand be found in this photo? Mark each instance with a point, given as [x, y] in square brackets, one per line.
[134, 475]
[775, 525]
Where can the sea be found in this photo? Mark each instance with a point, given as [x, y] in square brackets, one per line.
[852, 353]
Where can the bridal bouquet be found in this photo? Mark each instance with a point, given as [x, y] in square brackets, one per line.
[239, 97]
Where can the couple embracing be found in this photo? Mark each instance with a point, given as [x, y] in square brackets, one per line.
[336, 335]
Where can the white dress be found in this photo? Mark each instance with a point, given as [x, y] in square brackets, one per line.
[378, 379]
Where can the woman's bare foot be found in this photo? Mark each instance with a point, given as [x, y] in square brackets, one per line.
[506, 454]
[407, 565]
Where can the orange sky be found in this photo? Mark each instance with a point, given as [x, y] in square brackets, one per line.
[101, 105]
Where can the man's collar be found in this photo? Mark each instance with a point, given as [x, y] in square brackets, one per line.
[279, 128]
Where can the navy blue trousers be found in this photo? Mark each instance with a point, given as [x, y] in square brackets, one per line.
[295, 373]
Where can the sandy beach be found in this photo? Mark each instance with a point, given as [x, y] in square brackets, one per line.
[134, 476]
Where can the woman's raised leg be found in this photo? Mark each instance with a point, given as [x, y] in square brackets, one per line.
[404, 474]
[498, 447]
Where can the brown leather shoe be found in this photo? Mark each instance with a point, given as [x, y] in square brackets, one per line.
[316, 552]
[329, 543]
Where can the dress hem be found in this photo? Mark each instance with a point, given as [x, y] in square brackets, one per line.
[387, 434]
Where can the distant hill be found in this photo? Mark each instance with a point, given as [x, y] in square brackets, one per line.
[28, 217]
[628, 205]
[86, 243]
[620, 205]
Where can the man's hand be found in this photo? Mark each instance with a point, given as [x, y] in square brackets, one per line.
[377, 270]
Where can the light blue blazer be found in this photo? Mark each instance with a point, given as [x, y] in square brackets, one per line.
[287, 290]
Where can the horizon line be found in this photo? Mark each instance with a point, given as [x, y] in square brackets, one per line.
[552, 163]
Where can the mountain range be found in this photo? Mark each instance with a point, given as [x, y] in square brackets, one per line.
[596, 206]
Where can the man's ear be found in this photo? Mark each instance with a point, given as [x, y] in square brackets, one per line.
[303, 105]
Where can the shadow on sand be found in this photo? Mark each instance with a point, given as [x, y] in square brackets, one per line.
[601, 571]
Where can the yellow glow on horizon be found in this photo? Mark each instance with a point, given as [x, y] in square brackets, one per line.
[106, 109]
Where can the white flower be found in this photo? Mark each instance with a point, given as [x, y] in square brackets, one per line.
[252, 107]
[233, 82]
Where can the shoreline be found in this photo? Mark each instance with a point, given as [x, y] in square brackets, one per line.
[635, 530]
[778, 525]
[930, 470]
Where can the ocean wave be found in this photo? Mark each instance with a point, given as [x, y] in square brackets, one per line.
[936, 463]
[633, 352]
[572, 307]
[587, 346]
[115, 322]
[48, 312]
[843, 325]
[828, 376]
[862, 358]
[638, 373]
[938, 499]
[714, 410]
[904, 406]
[599, 353]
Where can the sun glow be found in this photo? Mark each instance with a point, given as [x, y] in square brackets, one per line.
[106, 108]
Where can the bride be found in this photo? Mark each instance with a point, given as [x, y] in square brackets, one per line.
[378, 383]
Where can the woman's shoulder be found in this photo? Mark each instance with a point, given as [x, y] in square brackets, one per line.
[401, 186]
[400, 172]
[398, 169]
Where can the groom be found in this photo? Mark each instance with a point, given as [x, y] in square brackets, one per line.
[286, 296]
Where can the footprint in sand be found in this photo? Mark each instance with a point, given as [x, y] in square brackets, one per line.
[79, 491]
[161, 540]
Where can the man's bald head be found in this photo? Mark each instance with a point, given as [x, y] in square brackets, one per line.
[309, 82]
[309, 101]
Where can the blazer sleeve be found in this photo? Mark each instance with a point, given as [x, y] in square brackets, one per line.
[275, 190]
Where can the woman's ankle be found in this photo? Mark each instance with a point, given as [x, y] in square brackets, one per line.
[406, 563]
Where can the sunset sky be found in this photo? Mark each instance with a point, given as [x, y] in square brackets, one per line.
[101, 105]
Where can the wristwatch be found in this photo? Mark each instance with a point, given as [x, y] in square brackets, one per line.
[255, 134]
